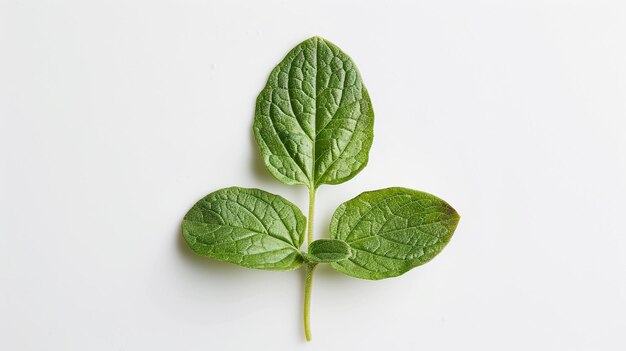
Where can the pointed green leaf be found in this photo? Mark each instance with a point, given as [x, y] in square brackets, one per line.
[328, 250]
[314, 119]
[391, 231]
[248, 227]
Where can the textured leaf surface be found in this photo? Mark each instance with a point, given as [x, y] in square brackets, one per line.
[248, 227]
[314, 120]
[391, 231]
[328, 250]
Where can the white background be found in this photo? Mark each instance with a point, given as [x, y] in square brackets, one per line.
[116, 116]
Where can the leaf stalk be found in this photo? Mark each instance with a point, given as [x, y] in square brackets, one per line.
[309, 269]
[309, 230]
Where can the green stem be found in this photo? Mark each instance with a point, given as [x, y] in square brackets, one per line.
[310, 267]
[311, 215]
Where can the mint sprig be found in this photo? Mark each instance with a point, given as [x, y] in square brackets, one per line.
[314, 125]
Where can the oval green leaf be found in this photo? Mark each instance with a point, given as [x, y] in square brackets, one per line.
[328, 250]
[391, 231]
[248, 227]
[314, 118]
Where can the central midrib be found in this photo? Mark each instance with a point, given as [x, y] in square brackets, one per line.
[314, 124]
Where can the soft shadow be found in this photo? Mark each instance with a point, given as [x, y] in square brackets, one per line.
[325, 271]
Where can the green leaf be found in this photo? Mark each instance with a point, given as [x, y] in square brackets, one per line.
[328, 250]
[314, 119]
[391, 231]
[248, 227]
